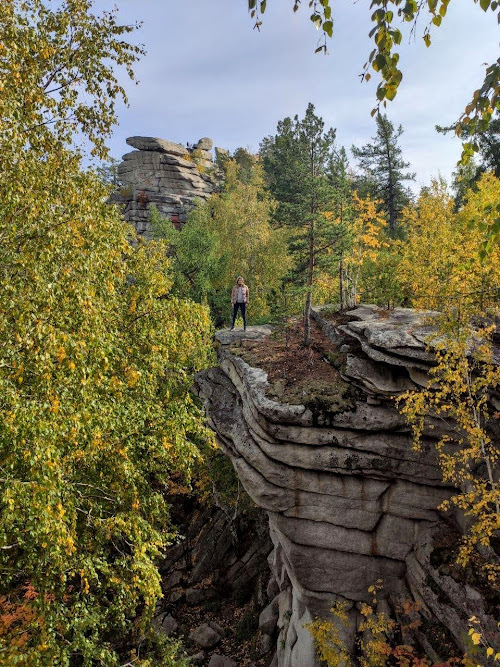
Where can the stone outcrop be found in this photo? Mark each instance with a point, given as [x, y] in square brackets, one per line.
[164, 174]
[214, 550]
[349, 501]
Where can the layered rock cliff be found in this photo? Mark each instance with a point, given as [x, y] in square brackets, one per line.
[166, 175]
[349, 500]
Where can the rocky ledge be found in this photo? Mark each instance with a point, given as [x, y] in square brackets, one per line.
[349, 500]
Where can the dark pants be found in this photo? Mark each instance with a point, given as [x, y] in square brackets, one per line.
[242, 306]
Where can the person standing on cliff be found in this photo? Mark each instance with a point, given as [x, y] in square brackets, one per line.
[239, 299]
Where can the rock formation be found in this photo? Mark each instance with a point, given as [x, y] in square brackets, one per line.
[349, 501]
[166, 175]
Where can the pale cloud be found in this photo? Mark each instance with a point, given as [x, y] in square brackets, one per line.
[207, 73]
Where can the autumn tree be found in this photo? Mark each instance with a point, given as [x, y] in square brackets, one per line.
[383, 168]
[296, 162]
[96, 359]
[443, 266]
[341, 210]
[487, 145]
[442, 262]
[366, 239]
[462, 383]
[226, 236]
[380, 640]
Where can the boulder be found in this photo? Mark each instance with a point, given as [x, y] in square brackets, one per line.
[156, 144]
[166, 623]
[205, 636]
[268, 618]
[227, 337]
[215, 626]
[205, 144]
[218, 660]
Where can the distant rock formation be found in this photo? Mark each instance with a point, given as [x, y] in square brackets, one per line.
[166, 175]
[349, 501]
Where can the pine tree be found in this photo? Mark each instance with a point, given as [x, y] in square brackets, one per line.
[296, 162]
[383, 167]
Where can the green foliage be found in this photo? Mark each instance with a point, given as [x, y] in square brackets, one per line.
[464, 180]
[195, 255]
[246, 163]
[383, 175]
[297, 163]
[57, 71]
[108, 172]
[227, 236]
[96, 360]
[379, 275]
[96, 411]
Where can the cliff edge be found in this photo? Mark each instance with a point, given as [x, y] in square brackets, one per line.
[349, 500]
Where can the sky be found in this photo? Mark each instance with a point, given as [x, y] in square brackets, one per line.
[207, 72]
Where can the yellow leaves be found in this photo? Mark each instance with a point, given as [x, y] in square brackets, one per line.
[47, 52]
[84, 582]
[475, 637]
[366, 610]
[115, 383]
[327, 637]
[70, 545]
[441, 264]
[462, 381]
[61, 354]
[132, 376]
[54, 404]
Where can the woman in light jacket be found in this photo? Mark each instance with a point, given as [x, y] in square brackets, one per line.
[239, 299]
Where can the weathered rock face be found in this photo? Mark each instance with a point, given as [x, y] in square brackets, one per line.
[349, 501]
[166, 175]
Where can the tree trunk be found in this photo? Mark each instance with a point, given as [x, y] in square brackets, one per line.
[341, 285]
[310, 278]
